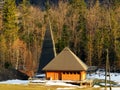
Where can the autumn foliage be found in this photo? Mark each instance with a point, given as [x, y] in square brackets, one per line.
[87, 28]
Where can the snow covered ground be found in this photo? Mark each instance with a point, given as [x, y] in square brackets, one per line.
[113, 88]
[24, 82]
[114, 76]
[101, 75]
[58, 83]
[46, 82]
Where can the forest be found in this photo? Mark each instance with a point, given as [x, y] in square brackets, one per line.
[87, 28]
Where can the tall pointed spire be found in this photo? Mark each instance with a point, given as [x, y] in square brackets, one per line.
[47, 53]
[52, 37]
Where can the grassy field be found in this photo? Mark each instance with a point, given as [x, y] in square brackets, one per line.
[39, 87]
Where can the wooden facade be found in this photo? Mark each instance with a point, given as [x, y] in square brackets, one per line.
[66, 75]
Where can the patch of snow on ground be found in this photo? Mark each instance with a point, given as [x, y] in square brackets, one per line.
[114, 76]
[113, 88]
[64, 88]
[58, 83]
[38, 81]
[46, 82]
[104, 84]
[96, 86]
[15, 82]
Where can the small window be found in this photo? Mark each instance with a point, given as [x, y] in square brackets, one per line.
[67, 72]
[74, 72]
[63, 72]
[78, 72]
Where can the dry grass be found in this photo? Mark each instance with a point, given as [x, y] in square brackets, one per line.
[37, 87]
[22, 87]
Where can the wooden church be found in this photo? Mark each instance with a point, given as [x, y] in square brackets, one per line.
[66, 66]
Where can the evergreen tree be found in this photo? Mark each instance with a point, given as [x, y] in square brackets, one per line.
[10, 20]
[116, 3]
[10, 27]
[24, 31]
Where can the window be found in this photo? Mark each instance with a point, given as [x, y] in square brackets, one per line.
[78, 72]
[67, 72]
[63, 72]
[71, 72]
[74, 72]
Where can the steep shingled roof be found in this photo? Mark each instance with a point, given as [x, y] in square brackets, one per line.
[66, 61]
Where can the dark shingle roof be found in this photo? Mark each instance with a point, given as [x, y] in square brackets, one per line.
[66, 61]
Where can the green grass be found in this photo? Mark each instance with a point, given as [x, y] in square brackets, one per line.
[38, 87]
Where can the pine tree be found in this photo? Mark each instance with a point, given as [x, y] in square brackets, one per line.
[24, 21]
[10, 27]
[10, 20]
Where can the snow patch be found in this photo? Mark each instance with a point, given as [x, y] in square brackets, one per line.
[113, 88]
[58, 83]
[114, 76]
[64, 88]
[38, 81]
[96, 86]
[15, 82]
[103, 84]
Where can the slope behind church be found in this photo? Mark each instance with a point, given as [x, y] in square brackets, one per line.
[66, 66]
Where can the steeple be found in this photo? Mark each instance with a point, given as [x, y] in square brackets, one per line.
[47, 53]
